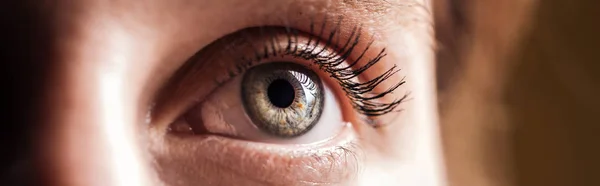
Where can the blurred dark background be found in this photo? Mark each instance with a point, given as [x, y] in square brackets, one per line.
[519, 92]
[25, 40]
[554, 96]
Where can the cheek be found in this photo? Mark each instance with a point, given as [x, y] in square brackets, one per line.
[94, 106]
[92, 126]
[214, 160]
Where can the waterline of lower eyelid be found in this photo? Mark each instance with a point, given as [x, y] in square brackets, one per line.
[344, 137]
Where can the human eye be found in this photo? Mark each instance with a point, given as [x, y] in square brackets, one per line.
[284, 86]
[276, 104]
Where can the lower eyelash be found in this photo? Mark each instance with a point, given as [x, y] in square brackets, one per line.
[363, 99]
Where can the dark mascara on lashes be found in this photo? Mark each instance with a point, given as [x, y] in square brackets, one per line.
[361, 94]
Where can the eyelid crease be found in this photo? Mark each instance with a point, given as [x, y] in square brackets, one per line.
[361, 94]
[329, 55]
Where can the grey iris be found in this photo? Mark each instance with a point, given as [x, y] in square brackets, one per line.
[282, 99]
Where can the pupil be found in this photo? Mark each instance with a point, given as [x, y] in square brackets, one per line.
[281, 93]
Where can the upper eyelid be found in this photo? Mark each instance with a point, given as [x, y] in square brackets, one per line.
[361, 96]
[359, 101]
[295, 21]
[285, 13]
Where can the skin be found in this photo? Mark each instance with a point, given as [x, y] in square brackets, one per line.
[108, 60]
[82, 74]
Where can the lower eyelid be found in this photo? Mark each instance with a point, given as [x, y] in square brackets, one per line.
[332, 163]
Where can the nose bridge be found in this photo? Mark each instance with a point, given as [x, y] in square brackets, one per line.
[90, 135]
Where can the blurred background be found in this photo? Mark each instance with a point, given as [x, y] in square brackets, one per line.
[519, 85]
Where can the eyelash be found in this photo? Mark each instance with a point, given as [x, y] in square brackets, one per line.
[361, 94]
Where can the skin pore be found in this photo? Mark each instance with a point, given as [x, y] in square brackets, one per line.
[106, 111]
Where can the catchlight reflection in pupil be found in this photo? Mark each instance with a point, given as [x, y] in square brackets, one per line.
[282, 99]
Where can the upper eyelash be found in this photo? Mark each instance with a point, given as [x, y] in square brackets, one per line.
[361, 94]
